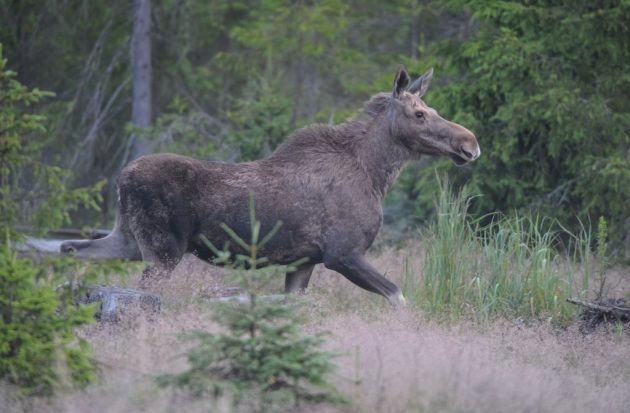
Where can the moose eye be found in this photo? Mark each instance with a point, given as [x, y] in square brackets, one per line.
[420, 115]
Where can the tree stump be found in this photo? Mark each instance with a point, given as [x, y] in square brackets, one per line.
[114, 302]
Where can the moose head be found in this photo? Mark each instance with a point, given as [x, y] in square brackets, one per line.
[419, 127]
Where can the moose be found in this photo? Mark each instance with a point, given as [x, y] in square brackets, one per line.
[325, 184]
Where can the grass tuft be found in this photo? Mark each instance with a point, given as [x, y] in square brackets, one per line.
[508, 268]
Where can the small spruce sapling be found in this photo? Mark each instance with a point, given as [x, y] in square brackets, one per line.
[37, 330]
[261, 355]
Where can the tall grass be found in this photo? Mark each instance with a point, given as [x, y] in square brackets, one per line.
[508, 268]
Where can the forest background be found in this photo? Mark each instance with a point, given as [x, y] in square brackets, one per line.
[543, 84]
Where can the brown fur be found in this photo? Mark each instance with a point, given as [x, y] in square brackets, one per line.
[325, 183]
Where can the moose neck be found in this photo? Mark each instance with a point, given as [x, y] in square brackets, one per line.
[380, 157]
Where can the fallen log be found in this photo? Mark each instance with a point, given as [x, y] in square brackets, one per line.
[52, 242]
[615, 307]
[114, 302]
[66, 233]
[39, 245]
[596, 312]
[244, 298]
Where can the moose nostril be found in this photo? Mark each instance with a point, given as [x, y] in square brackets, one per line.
[467, 154]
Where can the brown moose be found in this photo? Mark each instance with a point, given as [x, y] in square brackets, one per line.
[325, 183]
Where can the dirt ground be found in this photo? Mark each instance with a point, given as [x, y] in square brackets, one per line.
[390, 361]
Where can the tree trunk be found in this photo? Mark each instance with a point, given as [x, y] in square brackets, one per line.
[414, 30]
[141, 68]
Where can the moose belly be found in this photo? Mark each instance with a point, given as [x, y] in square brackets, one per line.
[295, 239]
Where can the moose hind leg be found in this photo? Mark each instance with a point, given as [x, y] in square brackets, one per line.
[297, 281]
[357, 269]
[162, 251]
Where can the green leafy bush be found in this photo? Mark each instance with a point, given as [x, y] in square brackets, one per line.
[39, 350]
[261, 356]
[37, 338]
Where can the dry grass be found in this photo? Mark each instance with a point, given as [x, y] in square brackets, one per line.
[390, 361]
[403, 364]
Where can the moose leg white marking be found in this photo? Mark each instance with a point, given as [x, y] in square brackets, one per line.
[398, 300]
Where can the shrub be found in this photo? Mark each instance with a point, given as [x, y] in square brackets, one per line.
[37, 339]
[37, 322]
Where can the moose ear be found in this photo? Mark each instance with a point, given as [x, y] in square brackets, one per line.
[401, 82]
[420, 86]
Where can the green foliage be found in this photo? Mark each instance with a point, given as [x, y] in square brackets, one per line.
[289, 63]
[508, 268]
[30, 190]
[545, 87]
[188, 132]
[262, 120]
[38, 347]
[261, 356]
[542, 83]
[39, 351]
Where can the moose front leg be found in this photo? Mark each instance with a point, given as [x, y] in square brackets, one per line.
[297, 281]
[357, 269]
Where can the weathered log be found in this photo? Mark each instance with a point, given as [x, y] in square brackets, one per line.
[615, 307]
[235, 294]
[52, 243]
[610, 310]
[114, 302]
[66, 233]
[244, 298]
[39, 245]
[78, 233]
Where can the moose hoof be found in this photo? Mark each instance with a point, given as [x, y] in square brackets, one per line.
[397, 301]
